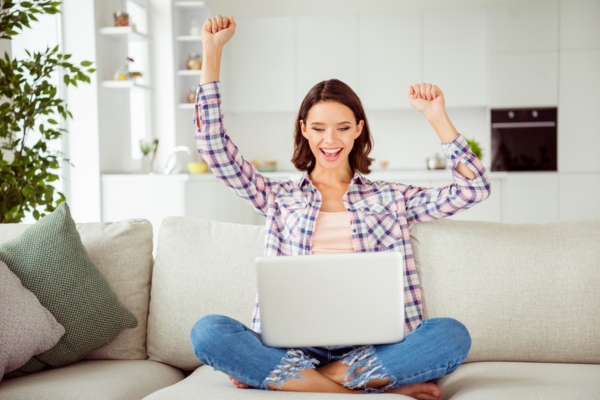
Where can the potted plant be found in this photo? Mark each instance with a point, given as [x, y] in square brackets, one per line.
[475, 148]
[31, 113]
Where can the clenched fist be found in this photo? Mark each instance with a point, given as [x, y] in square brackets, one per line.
[217, 31]
[427, 98]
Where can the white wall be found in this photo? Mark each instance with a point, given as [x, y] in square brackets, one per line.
[79, 38]
[402, 137]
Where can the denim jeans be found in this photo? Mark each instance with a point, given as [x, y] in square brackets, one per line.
[432, 350]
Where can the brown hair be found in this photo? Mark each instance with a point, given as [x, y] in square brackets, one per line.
[333, 90]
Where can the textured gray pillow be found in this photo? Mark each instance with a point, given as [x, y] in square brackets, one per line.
[52, 262]
[26, 327]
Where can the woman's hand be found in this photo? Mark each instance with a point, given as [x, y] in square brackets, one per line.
[217, 31]
[428, 99]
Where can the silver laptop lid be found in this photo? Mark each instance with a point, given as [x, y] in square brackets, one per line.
[331, 300]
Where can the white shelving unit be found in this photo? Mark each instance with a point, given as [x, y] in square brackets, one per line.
[184, 15]
[124, 32]
[124, 105]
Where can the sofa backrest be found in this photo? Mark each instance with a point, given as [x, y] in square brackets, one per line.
[122, 251]
[525, 292]
[201, 267]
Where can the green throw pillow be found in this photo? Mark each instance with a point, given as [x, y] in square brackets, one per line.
[51, 261]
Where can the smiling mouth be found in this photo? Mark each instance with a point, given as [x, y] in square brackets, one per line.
[331, 154]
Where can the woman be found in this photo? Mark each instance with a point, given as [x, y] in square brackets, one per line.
[334, 208]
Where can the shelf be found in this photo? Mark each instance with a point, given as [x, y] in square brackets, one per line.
[189, 72]
[112, 84]
[189, 38]
[190, 4]
[123, 32]
[186, 106]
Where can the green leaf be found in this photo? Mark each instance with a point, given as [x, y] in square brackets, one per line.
[86, 63]
[36, 215]
[52, 121]
[66, 79]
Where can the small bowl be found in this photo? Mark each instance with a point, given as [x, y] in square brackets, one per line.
[197, 167]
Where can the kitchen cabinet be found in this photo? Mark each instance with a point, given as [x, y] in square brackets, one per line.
[262, 65]
[531, 198]
[524, 26]
[578, 116]
[579, 196]
[327, 47]
[579, 27]
[524, 79]
[456, 55]
[390, 58]
[524, 54]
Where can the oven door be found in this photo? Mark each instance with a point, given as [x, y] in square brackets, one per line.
[524, 146]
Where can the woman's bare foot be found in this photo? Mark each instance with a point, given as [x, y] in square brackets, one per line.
[238, 384]
[420, 391]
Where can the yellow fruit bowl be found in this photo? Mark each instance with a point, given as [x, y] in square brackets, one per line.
[197, 167]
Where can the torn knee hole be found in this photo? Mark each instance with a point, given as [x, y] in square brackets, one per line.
[289, 368]
[365, 367]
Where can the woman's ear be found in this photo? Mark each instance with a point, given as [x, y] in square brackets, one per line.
[303, 129]
[359, 128]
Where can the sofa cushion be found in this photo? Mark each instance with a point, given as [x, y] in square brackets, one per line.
[93, 380]
[122, 251]
[26, 327]
[522, 381]
[525, 292]
[202, 267]
[206, 383]
[51, 261]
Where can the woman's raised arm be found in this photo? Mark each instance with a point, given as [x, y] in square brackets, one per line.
[215, 33]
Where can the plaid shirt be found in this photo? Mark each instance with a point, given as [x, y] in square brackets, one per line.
[380, 212]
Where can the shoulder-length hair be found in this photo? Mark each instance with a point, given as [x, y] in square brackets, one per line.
[333, 90]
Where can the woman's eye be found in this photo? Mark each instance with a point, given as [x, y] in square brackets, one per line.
[344, 128]
[319, 129]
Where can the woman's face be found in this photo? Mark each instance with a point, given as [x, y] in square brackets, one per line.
[331, 129]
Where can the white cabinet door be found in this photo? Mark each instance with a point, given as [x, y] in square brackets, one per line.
[518, 26]
[531, 198]
[579, 196]
[262, 65]
[327, 48]
[456, 55]
[578, 111]
[524, 79]
[390, 58]
[579, 24]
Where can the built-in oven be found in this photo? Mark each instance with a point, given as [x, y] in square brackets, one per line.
[524, 139]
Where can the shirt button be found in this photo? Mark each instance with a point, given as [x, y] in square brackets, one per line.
[354, 230]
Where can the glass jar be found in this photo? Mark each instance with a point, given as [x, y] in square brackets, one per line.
[194, 61]
[191, 97]
[196, 28]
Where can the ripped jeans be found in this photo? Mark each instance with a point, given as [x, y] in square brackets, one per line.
[432, 350]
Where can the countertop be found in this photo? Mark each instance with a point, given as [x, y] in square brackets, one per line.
[385, 175]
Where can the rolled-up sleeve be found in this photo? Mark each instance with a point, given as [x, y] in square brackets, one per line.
[219, 152]
[425, 204]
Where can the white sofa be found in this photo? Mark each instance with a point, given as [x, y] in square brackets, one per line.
[529, 294]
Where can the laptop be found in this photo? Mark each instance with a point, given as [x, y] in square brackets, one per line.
[331, 299]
